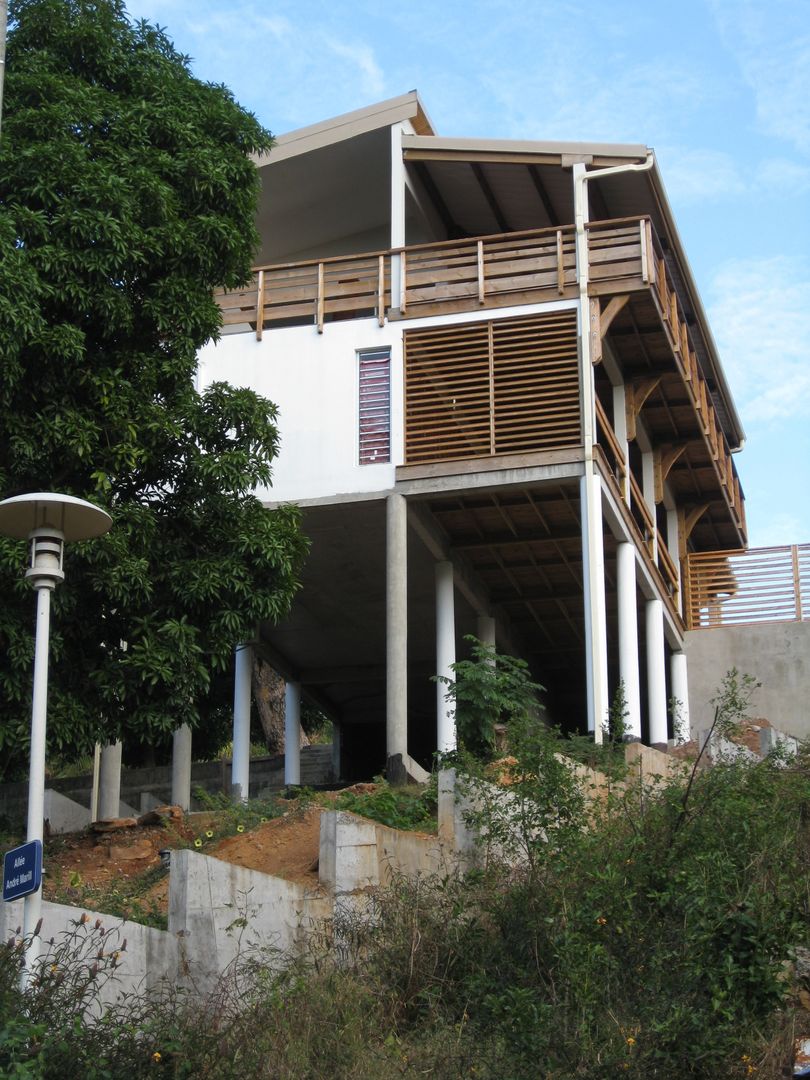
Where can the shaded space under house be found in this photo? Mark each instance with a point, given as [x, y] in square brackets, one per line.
[502, 413]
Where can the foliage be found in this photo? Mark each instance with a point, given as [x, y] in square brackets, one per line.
[412, 807]
[650, 942]
[486, 690]
[124, 898]
[127, 195]
[229, 816]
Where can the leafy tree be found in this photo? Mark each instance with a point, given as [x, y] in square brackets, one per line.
[127, 194]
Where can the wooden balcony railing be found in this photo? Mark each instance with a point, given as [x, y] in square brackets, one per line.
[680, 339]
[517, 268]
[732, 588]
[460, 275]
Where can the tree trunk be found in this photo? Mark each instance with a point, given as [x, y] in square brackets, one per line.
[268, 693]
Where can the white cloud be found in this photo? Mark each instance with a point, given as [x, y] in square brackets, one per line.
[694, 176]
[771, 43]
[362, 57]
[758, 310]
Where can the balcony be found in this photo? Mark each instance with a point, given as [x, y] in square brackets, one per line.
[633, 297]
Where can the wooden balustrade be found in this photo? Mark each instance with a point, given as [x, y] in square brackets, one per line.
[613, 451]
[729, 588]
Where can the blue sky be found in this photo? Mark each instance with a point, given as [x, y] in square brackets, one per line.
[720, 89]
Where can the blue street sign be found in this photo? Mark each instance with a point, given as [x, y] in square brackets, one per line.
[22, 870]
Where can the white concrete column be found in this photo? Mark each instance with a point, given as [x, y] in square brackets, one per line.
[656, 673]
[593, 581]
[240, 761]
[396, 625]
[628, 635]
[486, 630]
[445, 655]
[181, 767]
[680, 693]
[292, 727]
[109, 784]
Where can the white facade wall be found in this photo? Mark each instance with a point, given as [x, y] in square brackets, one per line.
[313, 379]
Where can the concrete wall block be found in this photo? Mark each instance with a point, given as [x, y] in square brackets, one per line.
[63, 814]
[223, 912]
[148, 961]
[356, 864]
[777, 654]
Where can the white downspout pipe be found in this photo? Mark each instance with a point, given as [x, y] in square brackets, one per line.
[592, 554]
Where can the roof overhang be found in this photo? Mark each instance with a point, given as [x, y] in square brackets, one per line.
[406, 107]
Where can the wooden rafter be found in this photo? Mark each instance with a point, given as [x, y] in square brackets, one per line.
[539, 187]
[489, 195]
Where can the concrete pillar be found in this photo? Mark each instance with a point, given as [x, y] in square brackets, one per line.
[240, 762]
[593, 582]
[181, 767]
[445, 655]
[337, 750]
[396, 625]
[628, 635]
[680, 693]
[292, 726]
[109, 784]
[656, 673]
[486, 630]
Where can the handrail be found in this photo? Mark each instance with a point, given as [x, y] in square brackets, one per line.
[619, 464]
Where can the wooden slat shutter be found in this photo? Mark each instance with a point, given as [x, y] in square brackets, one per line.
[493, 387]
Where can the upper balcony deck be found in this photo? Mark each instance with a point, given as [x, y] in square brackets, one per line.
[636, 305]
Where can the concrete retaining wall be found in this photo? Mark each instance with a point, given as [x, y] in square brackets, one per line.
[777, 654]
[148, 961]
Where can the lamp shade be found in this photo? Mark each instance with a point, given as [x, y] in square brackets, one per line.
[75, 518]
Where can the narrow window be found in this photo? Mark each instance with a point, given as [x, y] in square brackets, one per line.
[375, 405]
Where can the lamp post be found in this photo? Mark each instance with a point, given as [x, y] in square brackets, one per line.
[47, 520]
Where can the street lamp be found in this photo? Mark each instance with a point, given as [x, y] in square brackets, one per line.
[47, 520]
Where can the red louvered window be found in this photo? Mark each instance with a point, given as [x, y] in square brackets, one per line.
[374, 406]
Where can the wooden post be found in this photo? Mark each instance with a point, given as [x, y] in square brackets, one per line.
[645, 270]
[403, 283]
[260, 306]
[319, 300]
[480, 247]
[560, 264]
[797, 581]
[381, 291]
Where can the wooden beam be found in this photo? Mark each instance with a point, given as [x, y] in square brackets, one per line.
[489, 195]
[663, 460]
[435, 197]
[636, 393]
[594, 329]
[612, 309]
[551, 214]
[690, 517]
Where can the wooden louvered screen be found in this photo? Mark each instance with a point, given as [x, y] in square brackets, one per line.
[501, 387]
[374, 406]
